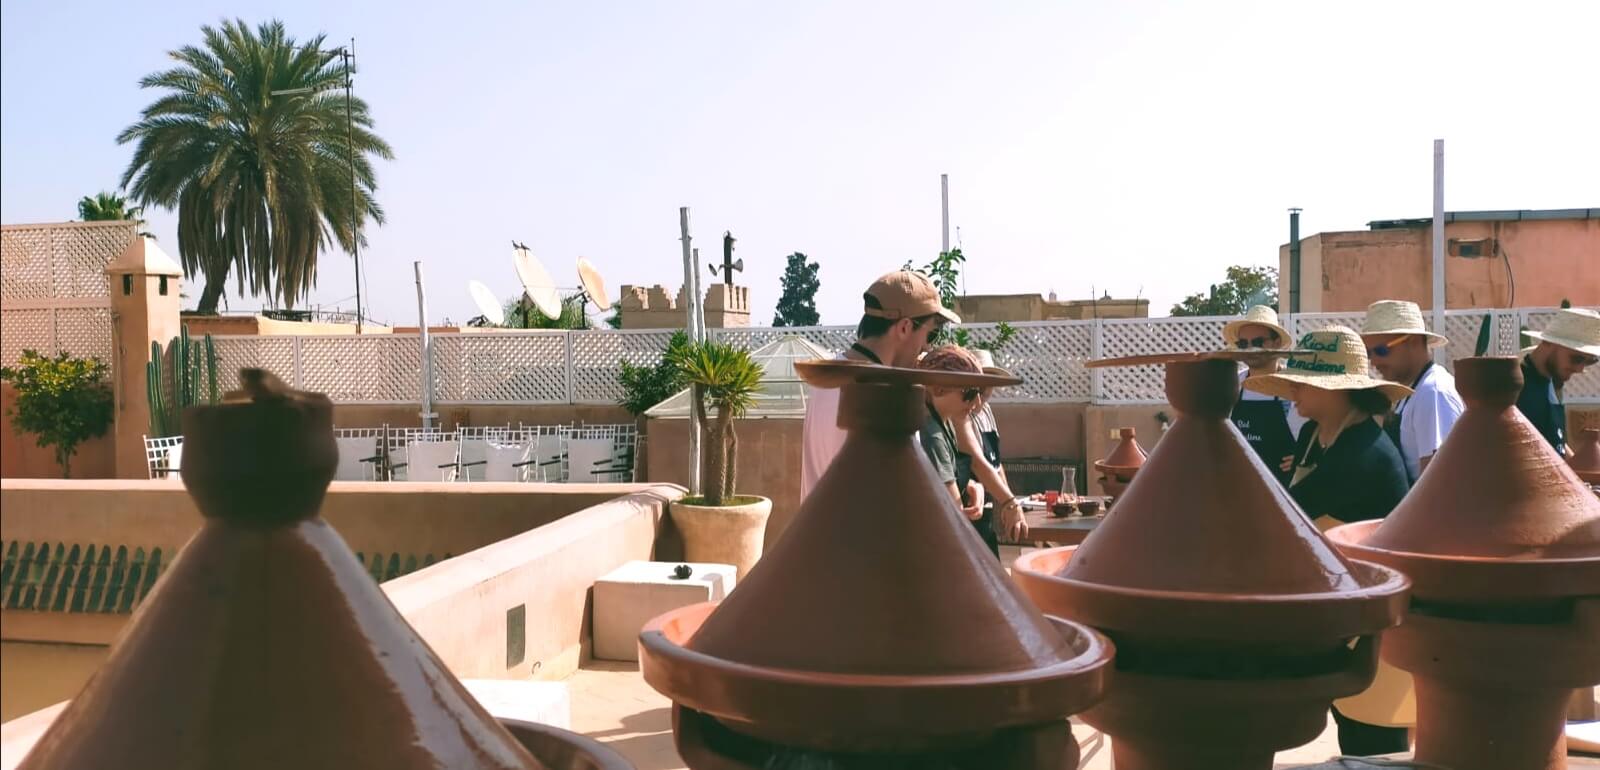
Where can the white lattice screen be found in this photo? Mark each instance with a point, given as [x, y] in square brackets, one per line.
[54, 294]
[582, 367]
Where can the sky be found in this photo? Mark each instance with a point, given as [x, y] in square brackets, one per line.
[1136, 148]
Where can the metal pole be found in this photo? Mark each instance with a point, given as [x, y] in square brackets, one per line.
[1438, 238]
[944, 212]
[1294, 262]
[355, 199]
[697, 302]
[427, 350]
[689, 326]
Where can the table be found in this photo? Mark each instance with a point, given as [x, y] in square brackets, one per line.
[1047, 530]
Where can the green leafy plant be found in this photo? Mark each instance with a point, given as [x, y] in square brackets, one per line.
[798, 304]
[522, 314]
[645, 386]
[945, 272]
[1244, 286]
[725, 378]
[969, 339]
[64, 401]
[252, 141]
[194, 381]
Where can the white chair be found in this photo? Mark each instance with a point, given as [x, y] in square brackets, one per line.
[548, 442]
[475, 447]
[163, 457]
[360, 456]
[433, 459]
[510, 460]
[588, 458]
[398, 446]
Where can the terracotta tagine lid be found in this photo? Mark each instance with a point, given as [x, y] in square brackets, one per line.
[1125, 459]
[878, 623]
[267, 645]
[1498, 515]
[1585, 459]
[1204, 542]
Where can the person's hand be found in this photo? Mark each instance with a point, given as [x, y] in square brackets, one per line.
[973, 512]
[1287, 464]
[1012, 526]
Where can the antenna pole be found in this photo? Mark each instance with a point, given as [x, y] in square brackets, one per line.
[1438, 241]
[944, 211]
[690, 268]
[427, 350]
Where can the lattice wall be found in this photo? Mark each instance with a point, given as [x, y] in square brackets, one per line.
[594, 357]
[1141, 336]
[520, 367]
[54, 295]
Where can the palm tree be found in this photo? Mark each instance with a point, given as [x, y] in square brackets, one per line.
[106, 207]
[262, 183]
[729, 379]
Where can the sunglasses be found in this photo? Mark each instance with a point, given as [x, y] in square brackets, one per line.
[970, 394]
[1583, 359]
[1255, 342]
[1383, 350]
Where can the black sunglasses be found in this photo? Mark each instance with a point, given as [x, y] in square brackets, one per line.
[970, 394]
[1383, 350]
[1255, 342]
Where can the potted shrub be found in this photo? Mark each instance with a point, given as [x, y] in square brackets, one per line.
[721, 526]
[64, 401]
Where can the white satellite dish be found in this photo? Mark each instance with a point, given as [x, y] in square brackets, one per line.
[594, 287]
[487, 304]
[537, 283]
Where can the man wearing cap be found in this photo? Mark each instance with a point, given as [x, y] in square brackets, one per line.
[1269, 424]
[1398, 343]
[901, 312]
[1570, 344]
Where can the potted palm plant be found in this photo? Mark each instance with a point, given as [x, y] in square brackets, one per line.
[720, 526]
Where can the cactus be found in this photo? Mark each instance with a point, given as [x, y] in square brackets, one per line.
[187, 389]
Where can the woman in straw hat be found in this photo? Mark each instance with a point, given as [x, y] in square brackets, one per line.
[1348, 470]
[938, 435]
[1269, 424]
[978, 448]
[1570, 344]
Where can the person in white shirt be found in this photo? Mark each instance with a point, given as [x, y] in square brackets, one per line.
[901, 312]
[1398, 344]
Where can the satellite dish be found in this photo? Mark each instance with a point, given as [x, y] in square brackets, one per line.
[536, 282]
[487, 304]
[593, 285]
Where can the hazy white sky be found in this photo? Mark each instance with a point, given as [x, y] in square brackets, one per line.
[1135, 147]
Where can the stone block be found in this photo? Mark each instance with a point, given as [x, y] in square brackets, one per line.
[629, 596]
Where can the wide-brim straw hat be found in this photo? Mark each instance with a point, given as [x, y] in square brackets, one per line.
[986, 360]
[1337, 361]
[1573, 328]
[1396, 316]
[1256, 315]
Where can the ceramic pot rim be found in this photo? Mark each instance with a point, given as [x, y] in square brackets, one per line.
[598, 755]
[1475, 579]
[756, 695]
[1273, 618]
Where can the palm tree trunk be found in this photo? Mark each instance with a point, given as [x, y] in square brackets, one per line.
[730, 460]
[719, 460]
[211, 295]
[697, 397]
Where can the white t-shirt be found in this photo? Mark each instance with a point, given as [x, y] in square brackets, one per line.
[1427, 417]
[820, 436]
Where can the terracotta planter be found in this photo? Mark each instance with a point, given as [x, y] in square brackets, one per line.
[1231, 613]
[267, 645]
[1585, 459]
[562, 749]
[878, 629]
[727, 534]
[1502, 542]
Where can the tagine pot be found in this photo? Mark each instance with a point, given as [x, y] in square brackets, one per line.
[267, 645]
[878, 630]
[1502, 542]
[723, 534]
[1236, 622]
[1119, 467]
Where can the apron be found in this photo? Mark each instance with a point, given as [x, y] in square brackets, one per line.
[1266, 427]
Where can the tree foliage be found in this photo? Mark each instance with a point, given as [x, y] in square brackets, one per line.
[728, 379]
[261, 182]
[64, 401]
[1244, 286]
[522, 314]
[798, 304]
[645, 386]
[106, 207]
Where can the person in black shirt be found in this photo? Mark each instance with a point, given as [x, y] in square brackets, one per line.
[1269, 424]
[1347, 470]
[938, 436]
[1568, 346]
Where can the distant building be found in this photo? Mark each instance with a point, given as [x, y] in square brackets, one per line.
[1545, 256]
[725, 306]
[992, 308]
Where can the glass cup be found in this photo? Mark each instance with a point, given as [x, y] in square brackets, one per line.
[1069, 484]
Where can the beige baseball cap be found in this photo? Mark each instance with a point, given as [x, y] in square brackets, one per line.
[907, 294]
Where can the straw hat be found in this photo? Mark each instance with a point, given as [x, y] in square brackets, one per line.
[1397, 316]
[1576, 329]
[1257, 315]
[986, 360]
[1338, 361]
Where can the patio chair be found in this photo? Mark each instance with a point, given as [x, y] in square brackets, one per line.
[361, 456]
[509, 459]
[163, 457]
[475, 442]
[399, 449]
[548, 456]
[428, 459]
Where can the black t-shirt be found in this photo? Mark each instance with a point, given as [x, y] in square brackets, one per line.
[1359, 477]
[1538, 403]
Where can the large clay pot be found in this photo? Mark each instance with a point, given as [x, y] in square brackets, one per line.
[267, 645]
[1119, 467]
[1236, 622]
[1502, 542]
[878, 632]
[1585, 457]
[726, 534]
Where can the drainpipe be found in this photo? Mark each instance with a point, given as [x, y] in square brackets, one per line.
[1294, 264]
